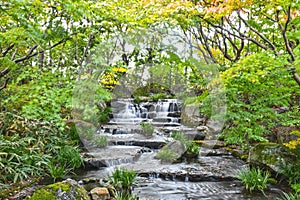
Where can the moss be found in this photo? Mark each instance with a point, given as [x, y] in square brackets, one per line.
[50, 192]
[60, 185]
[82, 193]
[42, 194]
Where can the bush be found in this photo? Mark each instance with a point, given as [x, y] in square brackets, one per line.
[57, 172]
[177, 135]
[147, 129]
[191, 148]
[292, 172]
[100, 141]
[167, 155]
[124, 196]
[69, 156]
[254, 179]
[158, 96]
[123, 178]
[289, 196]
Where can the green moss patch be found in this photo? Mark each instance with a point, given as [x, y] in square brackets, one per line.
[42, 194]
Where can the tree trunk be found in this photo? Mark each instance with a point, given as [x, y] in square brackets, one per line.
[296, 77]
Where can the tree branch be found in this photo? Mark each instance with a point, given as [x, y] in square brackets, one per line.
[7, 50]
[4, 85]
[4, 72]
[283, 32]
[30, 54]
[258, 33]
[26, 56]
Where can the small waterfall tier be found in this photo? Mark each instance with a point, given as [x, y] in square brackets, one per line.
[164, 112]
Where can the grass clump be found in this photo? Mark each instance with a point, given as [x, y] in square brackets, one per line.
[147, 129]
[100, 141]
[254, 179]
[122, 179]
[167, 155]
[124, 196]
[191, 148]
[158, 96]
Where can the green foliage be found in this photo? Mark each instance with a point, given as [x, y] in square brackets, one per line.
[255, 87]
[124, 196]
[69, 156]
[123, 178]
[104, 114]
[296, 187]
[190, 100]
[158, 90]
[289, 196]
[158, 96]
[18, 160]
[292, 172]
[147, 129]
[57, 171]
[100, 141]
[89, 100]
[254, 179]
[167, 155]
[191, 148]
[177, 135]
[33, 149]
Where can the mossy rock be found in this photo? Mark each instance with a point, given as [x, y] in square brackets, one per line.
[270, 155]
[68, 189]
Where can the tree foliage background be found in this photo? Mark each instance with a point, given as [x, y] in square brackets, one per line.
[45, 47]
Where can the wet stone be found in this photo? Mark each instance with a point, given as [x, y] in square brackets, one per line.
[100, 193]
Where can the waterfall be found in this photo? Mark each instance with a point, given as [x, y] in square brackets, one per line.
[161, 113]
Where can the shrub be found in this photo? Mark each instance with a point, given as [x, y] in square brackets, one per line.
[177, 135]
[69, 156]
[289, 196]
[147, 129]
[191, 148]
[292, 196]
[124, 196]
[167, 155]
[57, 171]
[254, 179]
[158, 96]
[123, 178]
[104, 115]
[292, 172]
[100, 141]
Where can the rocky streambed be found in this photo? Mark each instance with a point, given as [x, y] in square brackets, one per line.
[210, 175]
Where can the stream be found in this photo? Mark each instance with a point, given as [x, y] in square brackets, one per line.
[210, 176]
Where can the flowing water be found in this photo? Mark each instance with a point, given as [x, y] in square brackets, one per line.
[210, 176]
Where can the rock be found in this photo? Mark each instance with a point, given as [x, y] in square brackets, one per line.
[100, 193]
[270, 155]
[191, 115]
[90, 183]
[212, 144]
[194, 135]
[66, 190]
[171, 152]
[202, 128]
[27, 191]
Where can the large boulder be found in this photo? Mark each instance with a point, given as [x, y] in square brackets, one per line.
[270, 155]
[66, 190]
[171, 152]
[190, 115]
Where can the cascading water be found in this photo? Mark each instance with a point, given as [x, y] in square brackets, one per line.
[163, 112]
[209, 176]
